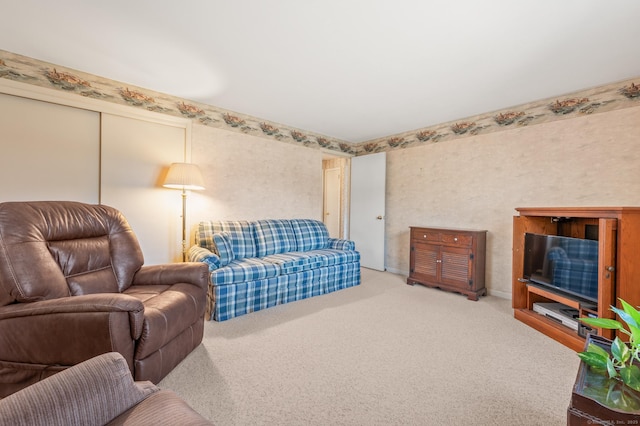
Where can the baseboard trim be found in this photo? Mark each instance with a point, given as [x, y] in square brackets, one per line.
[496, 293]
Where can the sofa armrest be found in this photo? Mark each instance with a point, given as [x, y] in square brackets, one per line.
[204, 255]
[195, 273]
[70, 330]
[340, 244]
[93, 392]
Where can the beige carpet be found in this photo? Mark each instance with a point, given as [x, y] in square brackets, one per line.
[382, 353]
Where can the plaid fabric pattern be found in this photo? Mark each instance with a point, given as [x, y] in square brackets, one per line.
[574, 266]
[294, 261]
[244, 298]
[239, 271]
[336, 243]
[310, 234]
[271, 262]
[204, 236]
[273, 236]
[201, 254]
[339, 277]
[240, 236]
[330, 257]
[301, 285]
[223, 247]
[581, 249]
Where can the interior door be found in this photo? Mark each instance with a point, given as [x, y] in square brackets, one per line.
[332, 201]
[368, 179]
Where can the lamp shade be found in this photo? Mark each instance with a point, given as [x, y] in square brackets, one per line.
[184, 176]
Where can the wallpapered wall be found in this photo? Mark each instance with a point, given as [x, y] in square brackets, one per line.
[477, 182]
[248, 179]
[579, 149]
[609, 97]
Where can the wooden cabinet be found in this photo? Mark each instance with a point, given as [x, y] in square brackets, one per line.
[450, 259]
[617, 230]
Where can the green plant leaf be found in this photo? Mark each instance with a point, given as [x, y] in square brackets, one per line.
[607, 323]
[635, 336]
[594, 360]
[611, 369]
[631, 376]
[620, 351]
[623, 315]
[632, 312]
[598, 350]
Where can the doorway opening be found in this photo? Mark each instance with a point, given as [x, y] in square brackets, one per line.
[335, 187]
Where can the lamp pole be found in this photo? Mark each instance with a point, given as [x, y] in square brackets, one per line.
[184, 176]
[184, 225]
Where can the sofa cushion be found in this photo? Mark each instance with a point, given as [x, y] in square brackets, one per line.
[273, 236]
[224, 249]
[331, 257]
[310, 234]
[238, 271]
[240, 235]
[294, 261]
[167, 309]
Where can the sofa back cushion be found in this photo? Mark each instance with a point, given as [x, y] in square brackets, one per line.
[51, 249]
[224, 249]
[240, 236]
[310, 234]
[274, 236]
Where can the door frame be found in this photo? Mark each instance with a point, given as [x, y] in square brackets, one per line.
[344, 163]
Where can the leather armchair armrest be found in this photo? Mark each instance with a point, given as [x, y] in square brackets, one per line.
[69, 330]
[195, 273]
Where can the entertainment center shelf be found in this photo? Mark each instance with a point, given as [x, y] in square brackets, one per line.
[617, 231]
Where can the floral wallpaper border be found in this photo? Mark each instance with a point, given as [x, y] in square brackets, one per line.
[32, 71]
[614, 96]
[600, 99]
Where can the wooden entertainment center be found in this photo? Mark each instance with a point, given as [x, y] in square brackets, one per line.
[617, 230]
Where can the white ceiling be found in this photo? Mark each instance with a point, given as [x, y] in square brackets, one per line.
[350, 69]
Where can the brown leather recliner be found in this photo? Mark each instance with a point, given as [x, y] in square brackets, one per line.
[73, 286]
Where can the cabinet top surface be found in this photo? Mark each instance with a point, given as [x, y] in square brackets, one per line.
[435, 228]
[577, 211]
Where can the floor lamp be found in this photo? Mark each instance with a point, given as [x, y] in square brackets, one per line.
[184, 176]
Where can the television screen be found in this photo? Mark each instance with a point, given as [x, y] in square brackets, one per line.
[569, 265]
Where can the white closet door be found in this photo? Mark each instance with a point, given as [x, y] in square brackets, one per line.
[48, 151]
[368, 183]
[135, 153]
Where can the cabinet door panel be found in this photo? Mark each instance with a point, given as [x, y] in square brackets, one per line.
[456, 266]
[425, 261]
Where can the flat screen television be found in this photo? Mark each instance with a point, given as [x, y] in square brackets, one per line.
[563, 264]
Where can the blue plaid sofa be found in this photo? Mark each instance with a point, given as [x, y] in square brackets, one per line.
[259, 264]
